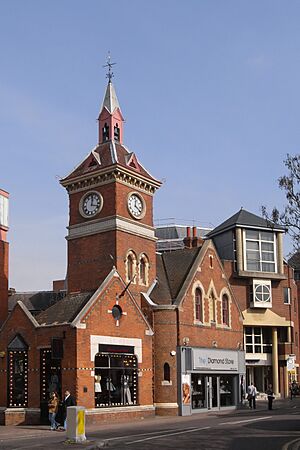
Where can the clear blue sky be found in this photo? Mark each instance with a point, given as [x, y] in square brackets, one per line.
[210, 93]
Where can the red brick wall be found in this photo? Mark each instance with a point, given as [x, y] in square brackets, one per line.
[4, 250]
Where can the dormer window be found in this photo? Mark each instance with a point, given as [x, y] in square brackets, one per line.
[260, 251]
[116, 133]
[105, 133]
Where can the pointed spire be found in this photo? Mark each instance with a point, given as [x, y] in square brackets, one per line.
[110, 101]
[110, 117]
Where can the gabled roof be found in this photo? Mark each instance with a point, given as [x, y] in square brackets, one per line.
[110, 100]
[294, 260]
[245, 219]
[34, 301]
[65, 310]
[172, 270]
[107, 155]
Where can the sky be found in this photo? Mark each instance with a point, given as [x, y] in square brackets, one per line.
[209, 90]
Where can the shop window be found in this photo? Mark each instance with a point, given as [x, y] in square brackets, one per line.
[167, 372]
[225, 310]
[130, 267]
[143, 270]
[226, 390]
[198, 305]
[50, 381]
[18, 373]
[116, 380]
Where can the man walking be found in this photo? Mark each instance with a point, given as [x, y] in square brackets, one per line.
[67, 401]
[252, 393]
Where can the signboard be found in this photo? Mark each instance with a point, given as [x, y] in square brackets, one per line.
[218, 360]
[186, 389]
[290, 363]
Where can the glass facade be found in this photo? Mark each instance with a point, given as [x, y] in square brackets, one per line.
[260, 251]
[213, 391]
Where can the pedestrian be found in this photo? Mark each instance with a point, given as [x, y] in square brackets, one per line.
[52, 409]
[271, 397]
[67, 401]
[293, 389]
[252, 393]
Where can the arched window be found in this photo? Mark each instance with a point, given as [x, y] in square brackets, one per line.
[167, 372]
[198, 305]
[212, 300]
[116, 132]
[130, 267]
[105, 132]
[143, 269]
[225, 310]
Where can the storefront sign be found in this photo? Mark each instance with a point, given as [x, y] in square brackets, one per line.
[290, 363]
[186, 389]
[210, 359]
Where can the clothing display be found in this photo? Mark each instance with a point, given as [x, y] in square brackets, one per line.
[126, 394]
[98, 388]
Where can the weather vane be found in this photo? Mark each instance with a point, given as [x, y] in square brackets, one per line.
[109, 64]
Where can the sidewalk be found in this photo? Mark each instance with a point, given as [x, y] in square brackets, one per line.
[57, 439]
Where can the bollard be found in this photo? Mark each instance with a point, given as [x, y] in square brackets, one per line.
[76, 423]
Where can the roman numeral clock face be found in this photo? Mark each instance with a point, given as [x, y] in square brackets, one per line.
[90, 204]
[136, 206]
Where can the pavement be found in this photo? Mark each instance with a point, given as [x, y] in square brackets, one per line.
[98, 435]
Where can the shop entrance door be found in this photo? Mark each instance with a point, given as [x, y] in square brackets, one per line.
[213, 392]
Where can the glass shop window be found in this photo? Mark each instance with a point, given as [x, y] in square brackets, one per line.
[116, 380]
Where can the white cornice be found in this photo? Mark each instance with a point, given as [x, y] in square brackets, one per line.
[112, 223]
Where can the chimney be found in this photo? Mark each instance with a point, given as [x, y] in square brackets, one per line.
[4, 249]
[197, 241]
[188, 240]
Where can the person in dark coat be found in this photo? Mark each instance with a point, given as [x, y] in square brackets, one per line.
[67, 401]
[271, 397]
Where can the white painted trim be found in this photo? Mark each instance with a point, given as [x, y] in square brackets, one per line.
[113, 223]
[166, 405]
[148, 299]
[134, 342]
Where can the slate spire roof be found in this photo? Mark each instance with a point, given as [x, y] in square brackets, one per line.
[245, 219]
[110, 100]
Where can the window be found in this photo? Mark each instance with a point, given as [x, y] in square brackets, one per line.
[212, 302]
[105, 132]
[143, 269]
[210, 261]
[287, 295]
[260, 251]
[116, 132]
[167, 373]
[198, 305]
[130, 267]
[18, 373]
[262, 294]
[225, 310]
[116, 379]
[258, 340]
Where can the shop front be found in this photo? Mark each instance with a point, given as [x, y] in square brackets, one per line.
[211, 379]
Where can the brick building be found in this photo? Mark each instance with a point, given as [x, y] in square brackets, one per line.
[134, 332]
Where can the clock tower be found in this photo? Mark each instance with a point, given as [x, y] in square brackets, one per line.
[111, 210]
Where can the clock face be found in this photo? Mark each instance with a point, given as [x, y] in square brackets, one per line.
[91, 204]
[136, 206]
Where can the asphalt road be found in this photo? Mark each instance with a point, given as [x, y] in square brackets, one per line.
[237, 430]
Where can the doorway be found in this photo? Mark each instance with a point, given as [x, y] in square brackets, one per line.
[50, 380]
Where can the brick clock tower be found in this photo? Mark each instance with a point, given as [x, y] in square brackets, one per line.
[111, 210]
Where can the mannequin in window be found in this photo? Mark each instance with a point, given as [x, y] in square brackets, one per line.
[126, 394]
[98, 388]
[109, 385]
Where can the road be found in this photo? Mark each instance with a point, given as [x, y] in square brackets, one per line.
[236, 430]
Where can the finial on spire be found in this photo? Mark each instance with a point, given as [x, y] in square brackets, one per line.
[109, 64]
